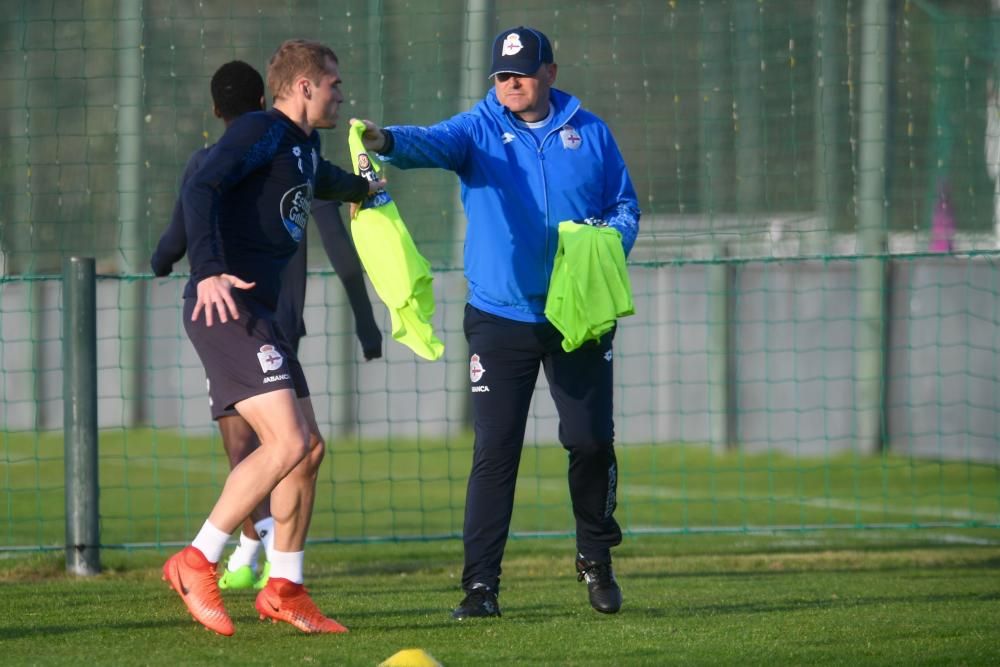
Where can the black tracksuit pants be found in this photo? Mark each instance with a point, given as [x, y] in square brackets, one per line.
[504, 360]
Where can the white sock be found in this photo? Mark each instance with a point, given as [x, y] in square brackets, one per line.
[245, 554]
[210, 541]
[265, 529]
[287, 565]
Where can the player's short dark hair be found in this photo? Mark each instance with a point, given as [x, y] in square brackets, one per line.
[237, 88]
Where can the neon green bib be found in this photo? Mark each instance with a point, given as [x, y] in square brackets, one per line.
[398, 272]
[589, 289]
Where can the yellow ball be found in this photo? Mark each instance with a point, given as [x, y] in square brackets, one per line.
[411, 657]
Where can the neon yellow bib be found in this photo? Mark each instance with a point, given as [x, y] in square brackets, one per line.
[398, 272]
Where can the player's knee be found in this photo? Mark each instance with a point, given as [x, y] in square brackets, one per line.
[308, 465]
[317, 451]
[288, 452]
[587, 444]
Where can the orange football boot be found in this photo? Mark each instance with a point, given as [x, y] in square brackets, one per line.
[282, 600]
[193, 577]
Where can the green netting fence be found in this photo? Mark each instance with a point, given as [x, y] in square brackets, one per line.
[818, 322]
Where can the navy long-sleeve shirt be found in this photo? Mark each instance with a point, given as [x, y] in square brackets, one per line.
[291, 301]
[246, 203]
[173, 242]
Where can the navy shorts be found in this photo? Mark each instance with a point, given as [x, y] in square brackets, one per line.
[243, 358]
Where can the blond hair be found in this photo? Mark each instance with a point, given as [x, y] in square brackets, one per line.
[297, 58]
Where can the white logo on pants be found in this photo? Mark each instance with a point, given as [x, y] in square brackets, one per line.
[476, 369]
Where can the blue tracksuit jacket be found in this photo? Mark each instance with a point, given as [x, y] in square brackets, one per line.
[516, 191]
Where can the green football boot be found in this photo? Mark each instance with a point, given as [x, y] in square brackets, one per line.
[240, 579]
[265, 574]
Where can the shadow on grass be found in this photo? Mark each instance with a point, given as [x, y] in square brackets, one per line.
[825, 603]
[776, 544]
[47, 631]
[543, 613]
[377, 568]
[779, 568]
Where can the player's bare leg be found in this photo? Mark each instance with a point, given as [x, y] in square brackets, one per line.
[239, 441]
[240, 571]
[284, 436]
[293, 498]
[284, 598]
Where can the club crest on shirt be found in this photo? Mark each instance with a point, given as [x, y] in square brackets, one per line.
[476, 369]
[570, 137]
[295, 205]
[270, 359]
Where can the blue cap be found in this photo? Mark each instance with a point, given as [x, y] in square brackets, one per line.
[520, 50]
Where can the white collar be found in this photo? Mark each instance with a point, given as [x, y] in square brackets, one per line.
[537, 124]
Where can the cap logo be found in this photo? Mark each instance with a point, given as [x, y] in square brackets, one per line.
[511, 45]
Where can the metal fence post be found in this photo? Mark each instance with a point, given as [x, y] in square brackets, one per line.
[871, 328]
[80, 415]
[720, 280]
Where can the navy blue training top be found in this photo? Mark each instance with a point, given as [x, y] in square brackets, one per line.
[291, 300]
[246, 204]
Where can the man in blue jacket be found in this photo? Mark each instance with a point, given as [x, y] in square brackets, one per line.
[528, 157]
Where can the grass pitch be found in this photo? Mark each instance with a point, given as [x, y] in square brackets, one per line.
[727, 588]
[157, 487]
[845, 598]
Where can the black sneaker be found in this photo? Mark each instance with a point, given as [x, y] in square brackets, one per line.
[605, 595]
[480, 602]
